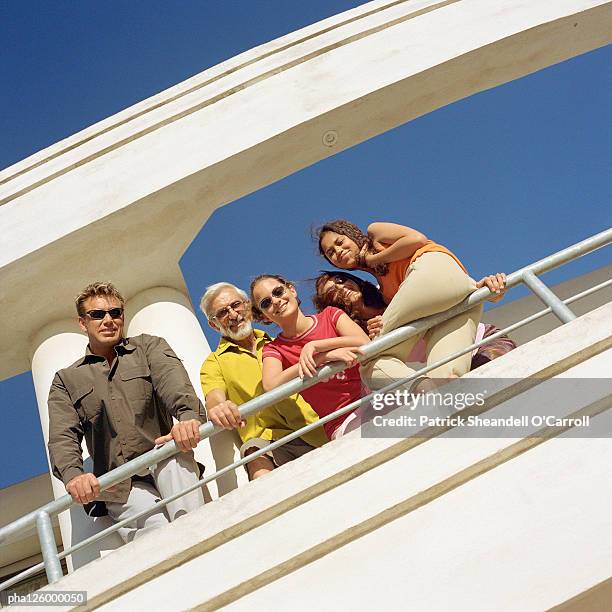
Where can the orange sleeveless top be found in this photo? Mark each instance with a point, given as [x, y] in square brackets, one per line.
[390, 282]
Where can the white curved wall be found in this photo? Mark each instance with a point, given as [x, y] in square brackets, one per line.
[246, 123]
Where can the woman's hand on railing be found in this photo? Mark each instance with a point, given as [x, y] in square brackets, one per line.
[348, 355]
[496, 284]
[186, 434]
[374, 326]
[311, 358]
[307, 365]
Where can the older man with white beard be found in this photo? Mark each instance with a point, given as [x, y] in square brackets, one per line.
[231, 375]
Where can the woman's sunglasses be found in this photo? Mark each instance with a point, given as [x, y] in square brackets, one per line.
[276, 292]
[98, 315]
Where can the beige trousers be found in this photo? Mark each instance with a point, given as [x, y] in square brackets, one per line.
[170, 476]
[433, 283]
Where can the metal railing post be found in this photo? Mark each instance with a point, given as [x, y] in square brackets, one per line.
[560, 310]
[48, 547]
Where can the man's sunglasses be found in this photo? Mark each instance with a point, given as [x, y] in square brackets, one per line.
[223, 313]
[98, 315]
[276, 292]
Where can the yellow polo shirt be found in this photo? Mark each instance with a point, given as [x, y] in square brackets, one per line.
[237, 372]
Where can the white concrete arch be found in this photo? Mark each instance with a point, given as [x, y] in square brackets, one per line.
[149, 177]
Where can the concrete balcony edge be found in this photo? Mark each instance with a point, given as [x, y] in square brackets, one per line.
[262, 501]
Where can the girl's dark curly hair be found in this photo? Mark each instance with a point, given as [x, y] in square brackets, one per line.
[257, 314]
[370, 294]
[350, 230]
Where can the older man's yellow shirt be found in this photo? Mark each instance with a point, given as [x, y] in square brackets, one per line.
[237, 372]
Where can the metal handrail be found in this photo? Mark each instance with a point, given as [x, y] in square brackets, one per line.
[526, 275]
[296, 434]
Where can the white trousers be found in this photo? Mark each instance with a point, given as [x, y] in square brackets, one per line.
[170, 476]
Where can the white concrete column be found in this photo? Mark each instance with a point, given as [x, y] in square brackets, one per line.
[166, 312]
[56, 346]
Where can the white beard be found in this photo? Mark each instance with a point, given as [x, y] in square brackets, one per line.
[243, 331]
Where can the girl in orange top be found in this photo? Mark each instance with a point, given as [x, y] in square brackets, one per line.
[417, 278]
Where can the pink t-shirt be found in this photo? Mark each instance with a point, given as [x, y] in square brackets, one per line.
[325, 397]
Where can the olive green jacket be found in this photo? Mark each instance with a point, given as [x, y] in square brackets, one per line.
[119, 409]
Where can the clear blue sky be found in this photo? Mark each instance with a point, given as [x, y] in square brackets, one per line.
[503, 178]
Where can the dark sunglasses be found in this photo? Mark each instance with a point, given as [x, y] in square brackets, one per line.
[276, 292]
[98, 315]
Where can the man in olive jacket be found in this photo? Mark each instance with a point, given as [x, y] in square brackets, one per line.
[121, 396]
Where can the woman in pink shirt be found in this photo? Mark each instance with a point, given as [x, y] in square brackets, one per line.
[306, 342]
